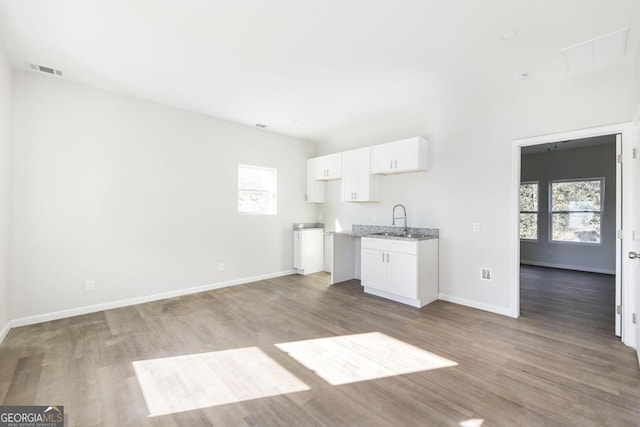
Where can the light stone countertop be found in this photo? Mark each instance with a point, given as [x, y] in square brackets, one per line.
[389, 232]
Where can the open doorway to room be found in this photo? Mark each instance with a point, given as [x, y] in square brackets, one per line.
[568, 224]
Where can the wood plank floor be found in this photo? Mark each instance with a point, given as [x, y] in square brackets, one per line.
[532, 371]
[581, 300]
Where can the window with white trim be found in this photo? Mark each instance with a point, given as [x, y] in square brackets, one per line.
[529, 211]
[576, 210]
[257, 187]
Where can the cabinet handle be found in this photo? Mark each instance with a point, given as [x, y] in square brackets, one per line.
[387, 258]
[396, 164]
[383, 257]
[390, 164]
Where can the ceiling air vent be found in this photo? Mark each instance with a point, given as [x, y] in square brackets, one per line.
[601, 50]
[260, 125]
[43, 69]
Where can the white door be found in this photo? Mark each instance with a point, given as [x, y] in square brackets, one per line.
[619, 260]
[636, 241]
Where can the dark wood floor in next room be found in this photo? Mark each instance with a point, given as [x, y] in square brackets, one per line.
[534, 371]
[579, 300]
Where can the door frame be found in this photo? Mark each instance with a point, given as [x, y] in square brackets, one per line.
[624, 271]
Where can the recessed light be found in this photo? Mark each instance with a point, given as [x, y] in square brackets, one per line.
[510, 34]
[519, 77]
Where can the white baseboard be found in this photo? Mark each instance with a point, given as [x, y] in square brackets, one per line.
[46, 317]
[5, 331]
[568, 267]
[479, 305]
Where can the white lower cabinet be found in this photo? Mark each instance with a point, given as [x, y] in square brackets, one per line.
[400, 270]
[308, 250]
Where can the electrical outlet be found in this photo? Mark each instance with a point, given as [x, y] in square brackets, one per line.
[319, 216]
[485, 273]
[476, 227]
[221, 266]
[90, 285]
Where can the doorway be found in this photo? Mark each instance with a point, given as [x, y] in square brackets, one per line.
[625, 292]
[568, 224]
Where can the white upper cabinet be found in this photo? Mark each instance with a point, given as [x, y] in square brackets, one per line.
[328, 167]
[315, 189]
[358, 185]
[406, 155]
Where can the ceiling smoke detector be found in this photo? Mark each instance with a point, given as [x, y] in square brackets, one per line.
[520, 77]
[43, 69]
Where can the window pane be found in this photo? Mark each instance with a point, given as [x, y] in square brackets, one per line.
[576, 196]
[529, 226]
[256, 178]
[576, 227]
[257, 187]
[256, 202]
[529, 197]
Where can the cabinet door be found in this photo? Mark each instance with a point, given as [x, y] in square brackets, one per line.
[308, 250]
[321, 167]
[409, 155]
[328, 167]
[350, 176]
[373, 269]
[402, 276]
[358, 185]
[382, 157]
[297, 252]
[335, 166]
[315, 189]
[406, 155]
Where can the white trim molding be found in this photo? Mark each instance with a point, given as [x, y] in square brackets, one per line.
[5, 331]
[46, 317]
[475, 304]
[568, 267]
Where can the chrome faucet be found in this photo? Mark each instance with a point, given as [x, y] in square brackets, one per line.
[394, 217]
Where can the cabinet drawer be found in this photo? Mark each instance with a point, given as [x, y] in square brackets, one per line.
[402, 246]
[374, 243]
[390, 245]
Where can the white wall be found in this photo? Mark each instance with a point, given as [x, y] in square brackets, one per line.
[137, 196]
[470, 177]
[5, 139]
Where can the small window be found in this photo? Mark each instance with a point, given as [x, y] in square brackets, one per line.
[529, 211]
[576, 210]
[257, 187]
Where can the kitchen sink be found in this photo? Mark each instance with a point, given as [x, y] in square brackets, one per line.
[391, 234]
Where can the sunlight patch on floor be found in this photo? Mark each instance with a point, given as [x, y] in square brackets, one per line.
[475, 422]
[361, 357]
[184, 383]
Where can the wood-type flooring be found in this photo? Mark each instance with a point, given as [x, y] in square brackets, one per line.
[557, 365]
